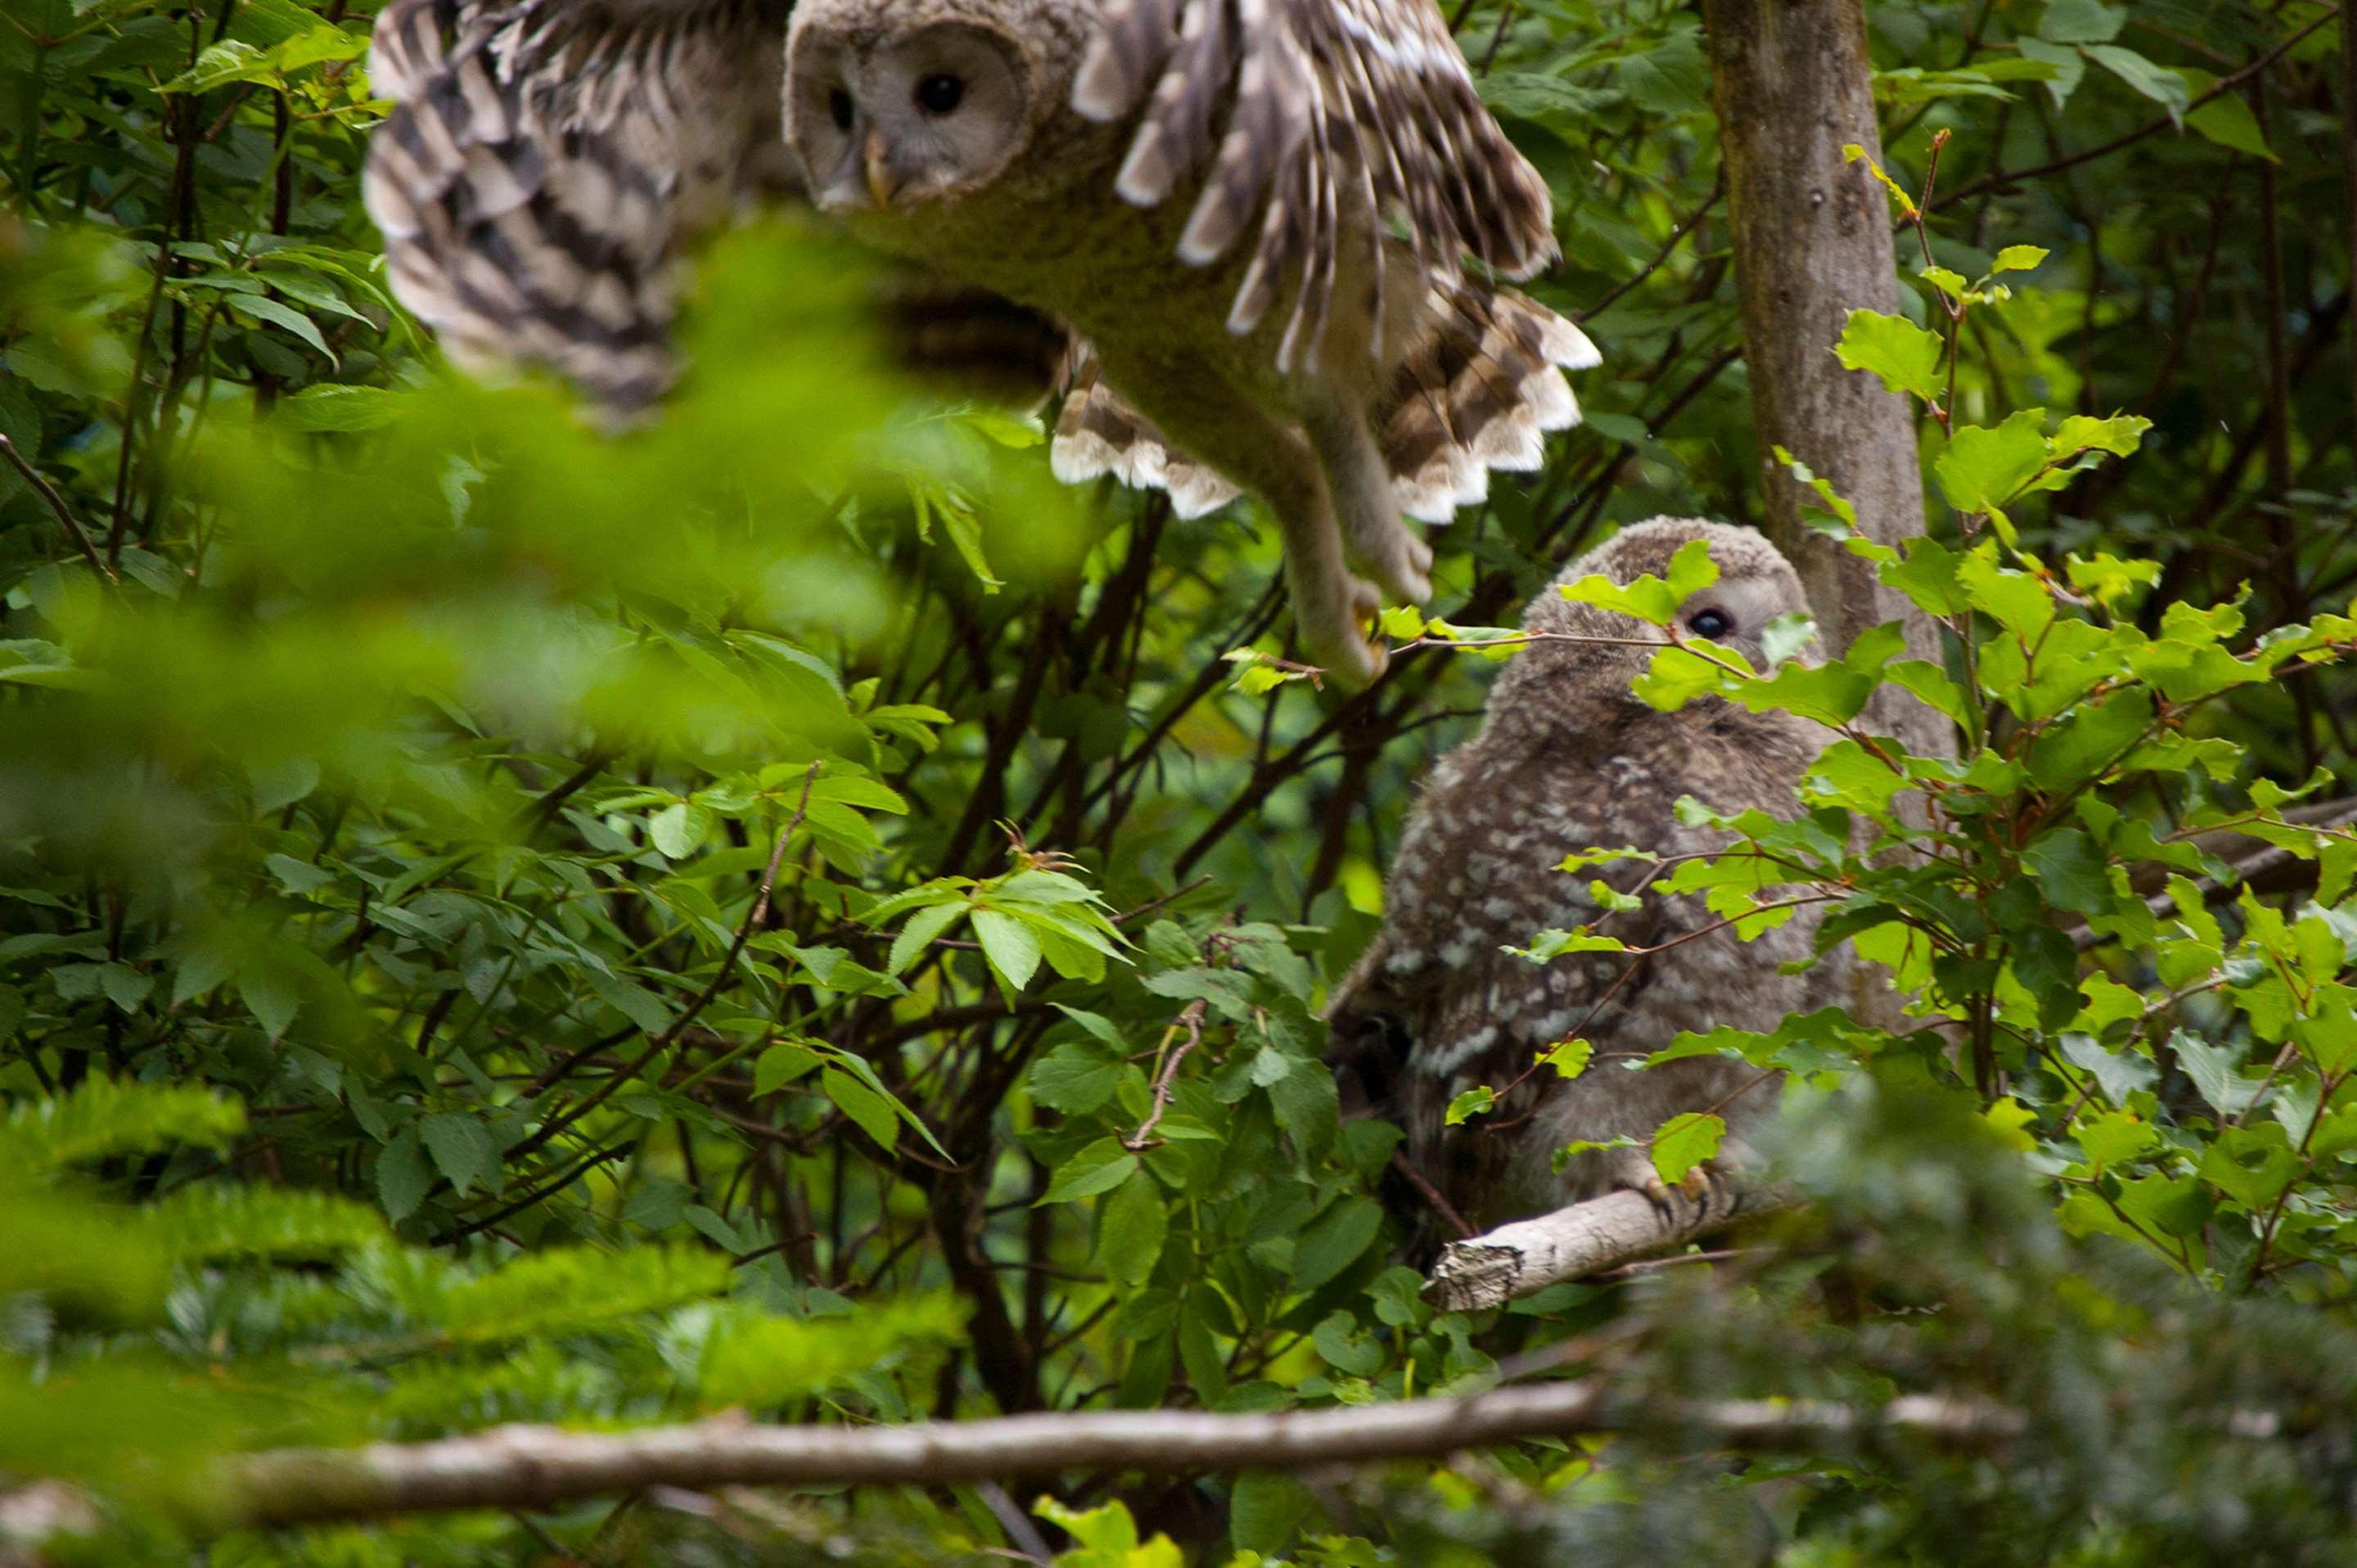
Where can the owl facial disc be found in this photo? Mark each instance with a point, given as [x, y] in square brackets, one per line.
[886, 120]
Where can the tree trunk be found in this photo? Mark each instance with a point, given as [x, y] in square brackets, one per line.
[1813, 242]
[1791, 82]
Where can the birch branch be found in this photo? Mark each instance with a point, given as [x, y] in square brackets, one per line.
[1524, 1258]
[539, 1467]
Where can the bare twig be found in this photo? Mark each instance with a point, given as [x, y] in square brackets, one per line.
[1191, 1020]
[2217, 88]
[56, 503]
[549, 1129]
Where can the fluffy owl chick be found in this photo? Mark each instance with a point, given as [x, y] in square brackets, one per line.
[1567, 760]
[1257, 211]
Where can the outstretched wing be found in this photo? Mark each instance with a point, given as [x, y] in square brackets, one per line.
[1375, 91]
[546, 159]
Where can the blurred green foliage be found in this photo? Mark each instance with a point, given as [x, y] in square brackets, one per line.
[393, 770]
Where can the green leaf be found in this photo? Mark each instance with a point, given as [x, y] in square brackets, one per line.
[870, 1110]
[270, 993]
[1568, 1058]
[2226, 119]
[2018, 258]
[633, 1001]
[1905, 357]
[2080, 22]
[402, 1176]
[1335, 1240]
[1650, 598]
[1266, 1511]
[1984, 467]
[1131, 1226]
[780, 1065]
[1784, 636]
[2071, 871]
[679, 829]
[2120, 435]
[1474, 1102]
[1685, 1141]
[1100, 1167]
[262, 309]
[463, 1150]
[1010, 946]
[2067, 65]
[1075, 1077]
[2163, 86]
[923, 928]
[2114, 1138]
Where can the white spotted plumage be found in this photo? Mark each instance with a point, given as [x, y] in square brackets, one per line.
[1567, 760]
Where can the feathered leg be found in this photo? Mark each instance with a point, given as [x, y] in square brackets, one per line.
[1373, 537]
[1201, 412]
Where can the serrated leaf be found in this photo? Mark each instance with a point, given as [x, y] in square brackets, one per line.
[1902, 355]
[463, 1150]
[780, 1065]
[2071, 871]
[1983, 466]
[1011, 947]
[871, 1110]
[1131, 1227]
[1335, 1240]
[1099, 1167]
[402, 1176]
[1075, 1079]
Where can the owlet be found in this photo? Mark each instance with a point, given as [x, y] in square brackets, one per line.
[1566, 759]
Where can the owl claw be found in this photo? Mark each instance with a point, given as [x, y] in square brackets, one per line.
[1336, 636]
[1708, 1192]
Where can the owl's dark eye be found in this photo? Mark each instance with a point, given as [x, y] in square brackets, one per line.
[939, 93]
[838, 105]
[1710, 623]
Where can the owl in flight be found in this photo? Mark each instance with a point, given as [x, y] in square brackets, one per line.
[1273, 227]
[1567, 760]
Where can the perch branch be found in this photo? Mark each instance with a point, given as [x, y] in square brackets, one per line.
[1525, 1257]
[537, 1467]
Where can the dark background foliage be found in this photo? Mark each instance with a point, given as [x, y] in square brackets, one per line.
[498, 922]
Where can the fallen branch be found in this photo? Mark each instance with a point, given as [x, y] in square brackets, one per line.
[538, 1467]
[1524, 1258]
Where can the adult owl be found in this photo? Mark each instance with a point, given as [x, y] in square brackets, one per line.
[546, 162]
[1276, 225]
[1567, 759]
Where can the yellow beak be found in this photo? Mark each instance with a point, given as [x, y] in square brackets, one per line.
[882, 183]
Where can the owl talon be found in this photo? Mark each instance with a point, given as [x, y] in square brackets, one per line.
[1336, 636]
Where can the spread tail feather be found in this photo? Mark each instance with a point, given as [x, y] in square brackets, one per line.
[1479, 393]
[1098, 433]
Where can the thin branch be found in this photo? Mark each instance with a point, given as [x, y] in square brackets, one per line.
[2218, 89]
[1191, 1020]
[549, 1129]
[56, 502]
[1678, 231]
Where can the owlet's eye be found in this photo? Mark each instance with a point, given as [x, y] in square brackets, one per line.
[838, 107]
[1710, 623]
[939, 93]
